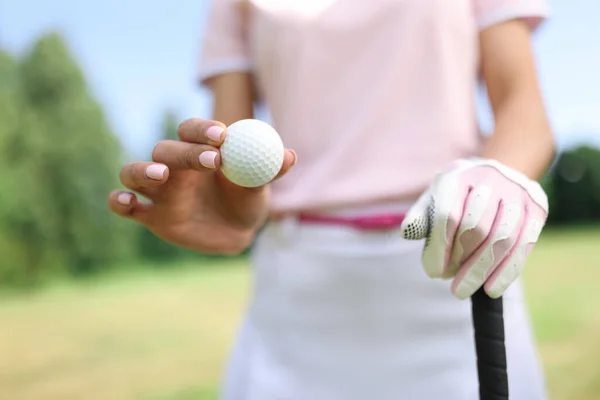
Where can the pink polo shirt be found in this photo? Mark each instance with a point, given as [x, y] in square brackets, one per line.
[374, 96]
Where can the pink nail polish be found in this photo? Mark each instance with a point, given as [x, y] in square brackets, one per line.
[207, 159]
[214, 133]
[156, 171]
[124, 199]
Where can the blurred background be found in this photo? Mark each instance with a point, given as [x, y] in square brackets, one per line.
[96, 308]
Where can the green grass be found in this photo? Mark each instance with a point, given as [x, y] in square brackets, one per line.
[562, 279]
[164, 334]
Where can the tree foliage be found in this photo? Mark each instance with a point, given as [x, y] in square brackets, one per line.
[574, 187]
[63, 160]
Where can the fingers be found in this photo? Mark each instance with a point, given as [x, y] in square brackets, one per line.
[199, 148]
[143, 176]
[182, 155]
[202, 131]
[501, 241]
[289, 160]
[126, 205]
[512, 265]
[480, 211]
[447, 205]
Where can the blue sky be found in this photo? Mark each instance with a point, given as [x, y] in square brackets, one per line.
[140, 56]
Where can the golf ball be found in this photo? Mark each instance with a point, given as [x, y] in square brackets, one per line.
[252, 153]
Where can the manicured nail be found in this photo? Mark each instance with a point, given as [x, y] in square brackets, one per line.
[124, 199]
[214, 133]
[207, 159]
[295, 157]
[156, 171]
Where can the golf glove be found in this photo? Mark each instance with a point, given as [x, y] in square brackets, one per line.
[480, 220]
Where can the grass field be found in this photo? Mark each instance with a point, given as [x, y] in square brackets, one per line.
[163, 335]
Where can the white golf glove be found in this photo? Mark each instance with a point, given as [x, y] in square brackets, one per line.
[480, 220]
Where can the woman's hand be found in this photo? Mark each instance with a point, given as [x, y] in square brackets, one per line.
[480, 220]
[191, 203]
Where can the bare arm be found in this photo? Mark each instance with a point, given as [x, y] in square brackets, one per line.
[522, 137]
[233, 97]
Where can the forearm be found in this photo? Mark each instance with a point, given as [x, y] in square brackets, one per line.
[522, 138]
[232, 97]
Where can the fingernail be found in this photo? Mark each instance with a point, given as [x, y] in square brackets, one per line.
[207, 159]
[214, 133]
[295, 157]
[156, 171]
[124, 199]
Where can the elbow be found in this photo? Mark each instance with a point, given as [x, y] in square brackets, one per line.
[553, 153]
[543, 147]
[547, 142]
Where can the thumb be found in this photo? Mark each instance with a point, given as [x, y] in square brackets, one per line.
[421, 222]
[289, 160]
[418, 220]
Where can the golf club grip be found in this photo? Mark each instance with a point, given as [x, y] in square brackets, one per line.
[488, 323]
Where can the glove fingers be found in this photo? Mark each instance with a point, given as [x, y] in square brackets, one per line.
[512, 264]
[481, 208]
[448, 199]
[504, 235]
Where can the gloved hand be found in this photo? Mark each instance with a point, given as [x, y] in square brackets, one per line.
[480, 220]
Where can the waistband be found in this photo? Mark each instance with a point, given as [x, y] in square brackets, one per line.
[373, 222]
[375, 217]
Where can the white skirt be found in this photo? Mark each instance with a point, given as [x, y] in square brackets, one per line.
[341, 314]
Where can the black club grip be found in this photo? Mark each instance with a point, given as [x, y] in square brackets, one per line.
[488, 322]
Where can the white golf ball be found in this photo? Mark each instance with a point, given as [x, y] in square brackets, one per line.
[252, 153]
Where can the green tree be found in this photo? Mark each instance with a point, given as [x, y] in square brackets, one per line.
[575, 187]
[14, 252]
[66, 160]
[169, 125]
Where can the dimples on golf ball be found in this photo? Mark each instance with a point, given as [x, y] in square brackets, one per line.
[252, 153]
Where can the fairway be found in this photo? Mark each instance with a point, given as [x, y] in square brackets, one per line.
[164, 334]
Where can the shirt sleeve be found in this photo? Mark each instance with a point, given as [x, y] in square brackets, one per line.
[224, 46]
[492, 12]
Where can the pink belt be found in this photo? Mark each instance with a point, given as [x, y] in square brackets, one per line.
[374, 222]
